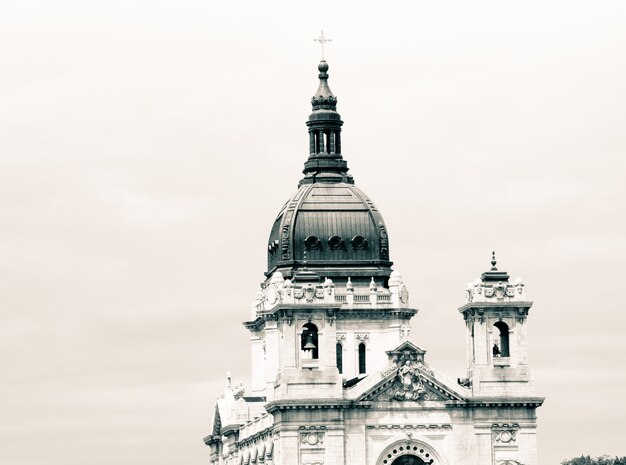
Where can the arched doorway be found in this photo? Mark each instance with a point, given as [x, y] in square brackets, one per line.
[408, 453]
[408, 460]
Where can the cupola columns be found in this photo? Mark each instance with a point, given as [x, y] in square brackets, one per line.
[325, 163]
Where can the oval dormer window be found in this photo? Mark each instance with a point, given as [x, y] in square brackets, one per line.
[312, 243]
[359, 243]
[335, 242]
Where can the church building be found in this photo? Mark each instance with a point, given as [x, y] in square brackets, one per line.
[336, 379]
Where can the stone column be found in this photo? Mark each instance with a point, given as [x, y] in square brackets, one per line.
[258, 362]
[328, 344]
[272, 356]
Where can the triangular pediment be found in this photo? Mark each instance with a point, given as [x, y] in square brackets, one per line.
[409, 384]
[409, 379]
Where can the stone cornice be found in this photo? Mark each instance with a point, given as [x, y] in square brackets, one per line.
[313, 404]
[288, 312]
[253, 438]
[210, 440]
[498, 402]
[499, 305]
[231, 429]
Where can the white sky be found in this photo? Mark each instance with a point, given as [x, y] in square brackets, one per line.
[146, 146]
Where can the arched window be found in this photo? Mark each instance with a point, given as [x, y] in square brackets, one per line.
[361, 358]
[408, 460]
[308, 341]
[339, 354]
[501, 346]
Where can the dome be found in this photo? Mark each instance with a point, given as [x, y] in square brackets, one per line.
[333, 229]
[328, 227]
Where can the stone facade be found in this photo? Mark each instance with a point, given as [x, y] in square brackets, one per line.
[336, 378]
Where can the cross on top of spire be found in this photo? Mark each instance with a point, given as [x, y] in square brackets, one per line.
[322, 40]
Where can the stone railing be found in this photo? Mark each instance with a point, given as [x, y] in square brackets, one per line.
[283, 291]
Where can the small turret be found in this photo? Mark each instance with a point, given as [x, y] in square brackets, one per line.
[495, 316]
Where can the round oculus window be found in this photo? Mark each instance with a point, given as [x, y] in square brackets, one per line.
[335, 242]
[312, 243]
[359, 242]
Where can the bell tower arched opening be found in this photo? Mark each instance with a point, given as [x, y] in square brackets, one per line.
[309, 342]
[501, 346]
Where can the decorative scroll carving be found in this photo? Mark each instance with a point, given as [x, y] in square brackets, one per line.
[384, 241]
[284, 242]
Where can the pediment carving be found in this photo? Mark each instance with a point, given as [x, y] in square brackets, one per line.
[410, 384]
[409, 378]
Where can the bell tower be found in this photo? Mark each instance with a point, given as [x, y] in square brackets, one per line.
[497, 350]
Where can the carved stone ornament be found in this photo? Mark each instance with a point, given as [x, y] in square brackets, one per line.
[330, 316]
[506, 436]
[272, 294]
[409, 385]
[239, 391]
[479, 291]
[500, 291]
[309, 293]
[404, 294]
[312, 438]
[405, 330]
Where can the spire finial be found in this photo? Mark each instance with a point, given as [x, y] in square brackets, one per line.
[493, 261]
[322, 40]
